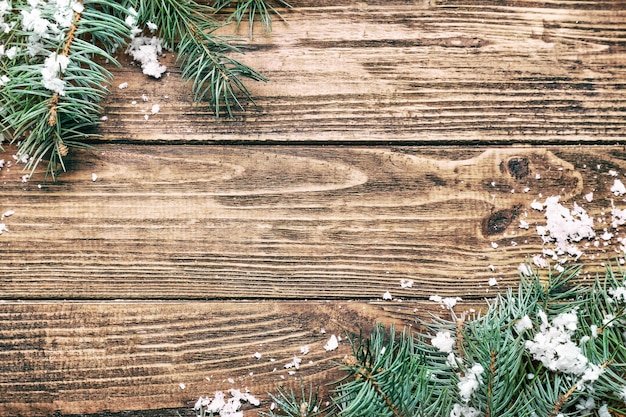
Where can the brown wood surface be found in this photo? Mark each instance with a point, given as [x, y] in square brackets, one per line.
[395, 140]
[397, 71]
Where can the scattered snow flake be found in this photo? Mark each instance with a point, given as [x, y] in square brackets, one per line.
[94, 176]
[151, 26]
[231, 380]
[470, 382]
[536, 205]
[304, 349]
[225, 407]
[540, 261]
[134, 102]
[527, 189]
[589, 197]
[145, 97]
[604, 411]
[7, 213]
[155, 109]
[146, 51]
[406, 283]
[146, 117]
[618, 188]
[295, 363]
[537, 176]
[492, 282]
[435, 298]
[387, 296]
[563, 227]
[622, 394]
[525, 269]
[612, 172]
[332, 343]
[523, 324]
[524, 225]
[182, 386]
[104, 118]
[494, 245]
[492, 267]
[443, 341]
[3, 228]
[617, 293]
[459, 410]
[122, 86]
[606, 235]
[257, 355]
[323, 330]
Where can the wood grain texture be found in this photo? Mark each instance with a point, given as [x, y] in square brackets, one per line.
[76, 358]
[176, 222]
[408, 72]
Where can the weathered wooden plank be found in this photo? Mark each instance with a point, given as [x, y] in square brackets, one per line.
[426, 72]
[77, 358]
[178, 222]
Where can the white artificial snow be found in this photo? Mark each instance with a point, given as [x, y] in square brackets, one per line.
[55, 66]
[540, 261]
[304, 349]
[492, 282]
[536, 205]
[589, 197]
[443, 341]
[618, 188]
[7, 213]
[525, 323]
[295, 363]
[155, 109]
[459, 410]
[406, 283]
[332, 343]
[553, 346]
[146, 51]
[622, 394]
[604, 411]
[563, 227]
[225, 408]
[470, 382]
[617, 293]
[182, 386]
[257, 355]
[94, 177]
[494, 245]
[447, 302]
[3, 228]
[524, 269]
[387, 296]
[524, 225]
[123, 86]
[618, 216]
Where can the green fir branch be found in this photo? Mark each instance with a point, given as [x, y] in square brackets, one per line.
[251, 8]
[484, 366]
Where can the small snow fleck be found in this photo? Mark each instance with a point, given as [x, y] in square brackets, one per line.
[525, 269]
[304, 349]
[122, 86]
[94, 176]
[589, 197]
[443, 341]
[146, 117]
[494, 245]
[536, 205]
[492, 282]
[387, 296]
[155, 109]
[257, 355]
[537, 176]
[145, 97]
[618, 188]
[323, 330]
[606, 235]
[3, 228]
[540, 261]
[604, 411]
[295, 363]
[523, 324]
[7, 213]
[470, 382]
[104, 118]
[523, 225]
[406, 283]
[182, 386]
[492, 267]
[332, 343]
[134, 102]
[612, 172]
[527, 189]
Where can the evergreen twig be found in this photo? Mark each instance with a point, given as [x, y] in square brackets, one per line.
[548, 349]
[251, 8]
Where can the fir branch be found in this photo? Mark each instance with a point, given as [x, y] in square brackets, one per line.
[264, 8]
[548, 349]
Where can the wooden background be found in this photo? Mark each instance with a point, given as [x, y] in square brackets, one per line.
[396, 140]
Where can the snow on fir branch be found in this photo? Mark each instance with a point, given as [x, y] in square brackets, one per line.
[52, 80]
[550, 348]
